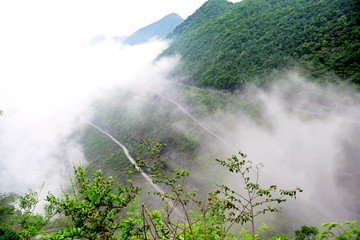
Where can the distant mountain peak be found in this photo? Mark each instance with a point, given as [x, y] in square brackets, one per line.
[97, 39]
[172, 15]
[159, 29]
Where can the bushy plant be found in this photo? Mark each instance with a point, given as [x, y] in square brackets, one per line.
[99, 208]
[96, 206]
[306, 233]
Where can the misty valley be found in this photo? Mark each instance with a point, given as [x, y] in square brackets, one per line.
[240, 122]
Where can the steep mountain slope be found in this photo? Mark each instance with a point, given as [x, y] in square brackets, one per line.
[132, 118]
[159, 29]
[210, 9]
[255, 38]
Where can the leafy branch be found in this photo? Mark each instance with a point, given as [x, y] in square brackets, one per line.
[251, 199]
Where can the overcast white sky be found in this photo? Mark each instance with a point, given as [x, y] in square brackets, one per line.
[43, 41]
[84, 18]
[32, 33]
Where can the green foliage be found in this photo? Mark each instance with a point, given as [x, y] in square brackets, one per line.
[24, 222]
[332, 230]
[8, 233]
[211, 9]
[99, 210]
[340, 231]
[7, 212]
[247, 235]
[280, 237]
[306, 233]
[29, 222]
[253, 39]
[6, 206]
[30, 225]
[96, 206]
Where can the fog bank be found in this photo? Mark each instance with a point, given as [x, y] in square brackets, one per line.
[45, 101]
[309, 138]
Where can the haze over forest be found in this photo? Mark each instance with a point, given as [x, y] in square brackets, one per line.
[277, 80]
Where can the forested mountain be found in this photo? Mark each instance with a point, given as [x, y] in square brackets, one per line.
[159, 29]
[225, 45]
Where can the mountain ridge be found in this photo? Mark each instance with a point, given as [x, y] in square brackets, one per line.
[159, 29]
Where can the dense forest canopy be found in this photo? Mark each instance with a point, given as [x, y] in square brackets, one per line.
[225, 45]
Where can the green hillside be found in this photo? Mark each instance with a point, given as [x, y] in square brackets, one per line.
[233, 44]
[131, 119]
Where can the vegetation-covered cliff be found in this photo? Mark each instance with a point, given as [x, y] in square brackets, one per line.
[225, 45]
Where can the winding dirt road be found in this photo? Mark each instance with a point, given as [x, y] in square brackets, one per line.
[146, 176]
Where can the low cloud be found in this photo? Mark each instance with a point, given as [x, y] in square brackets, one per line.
[44, 106]
[308, 138]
